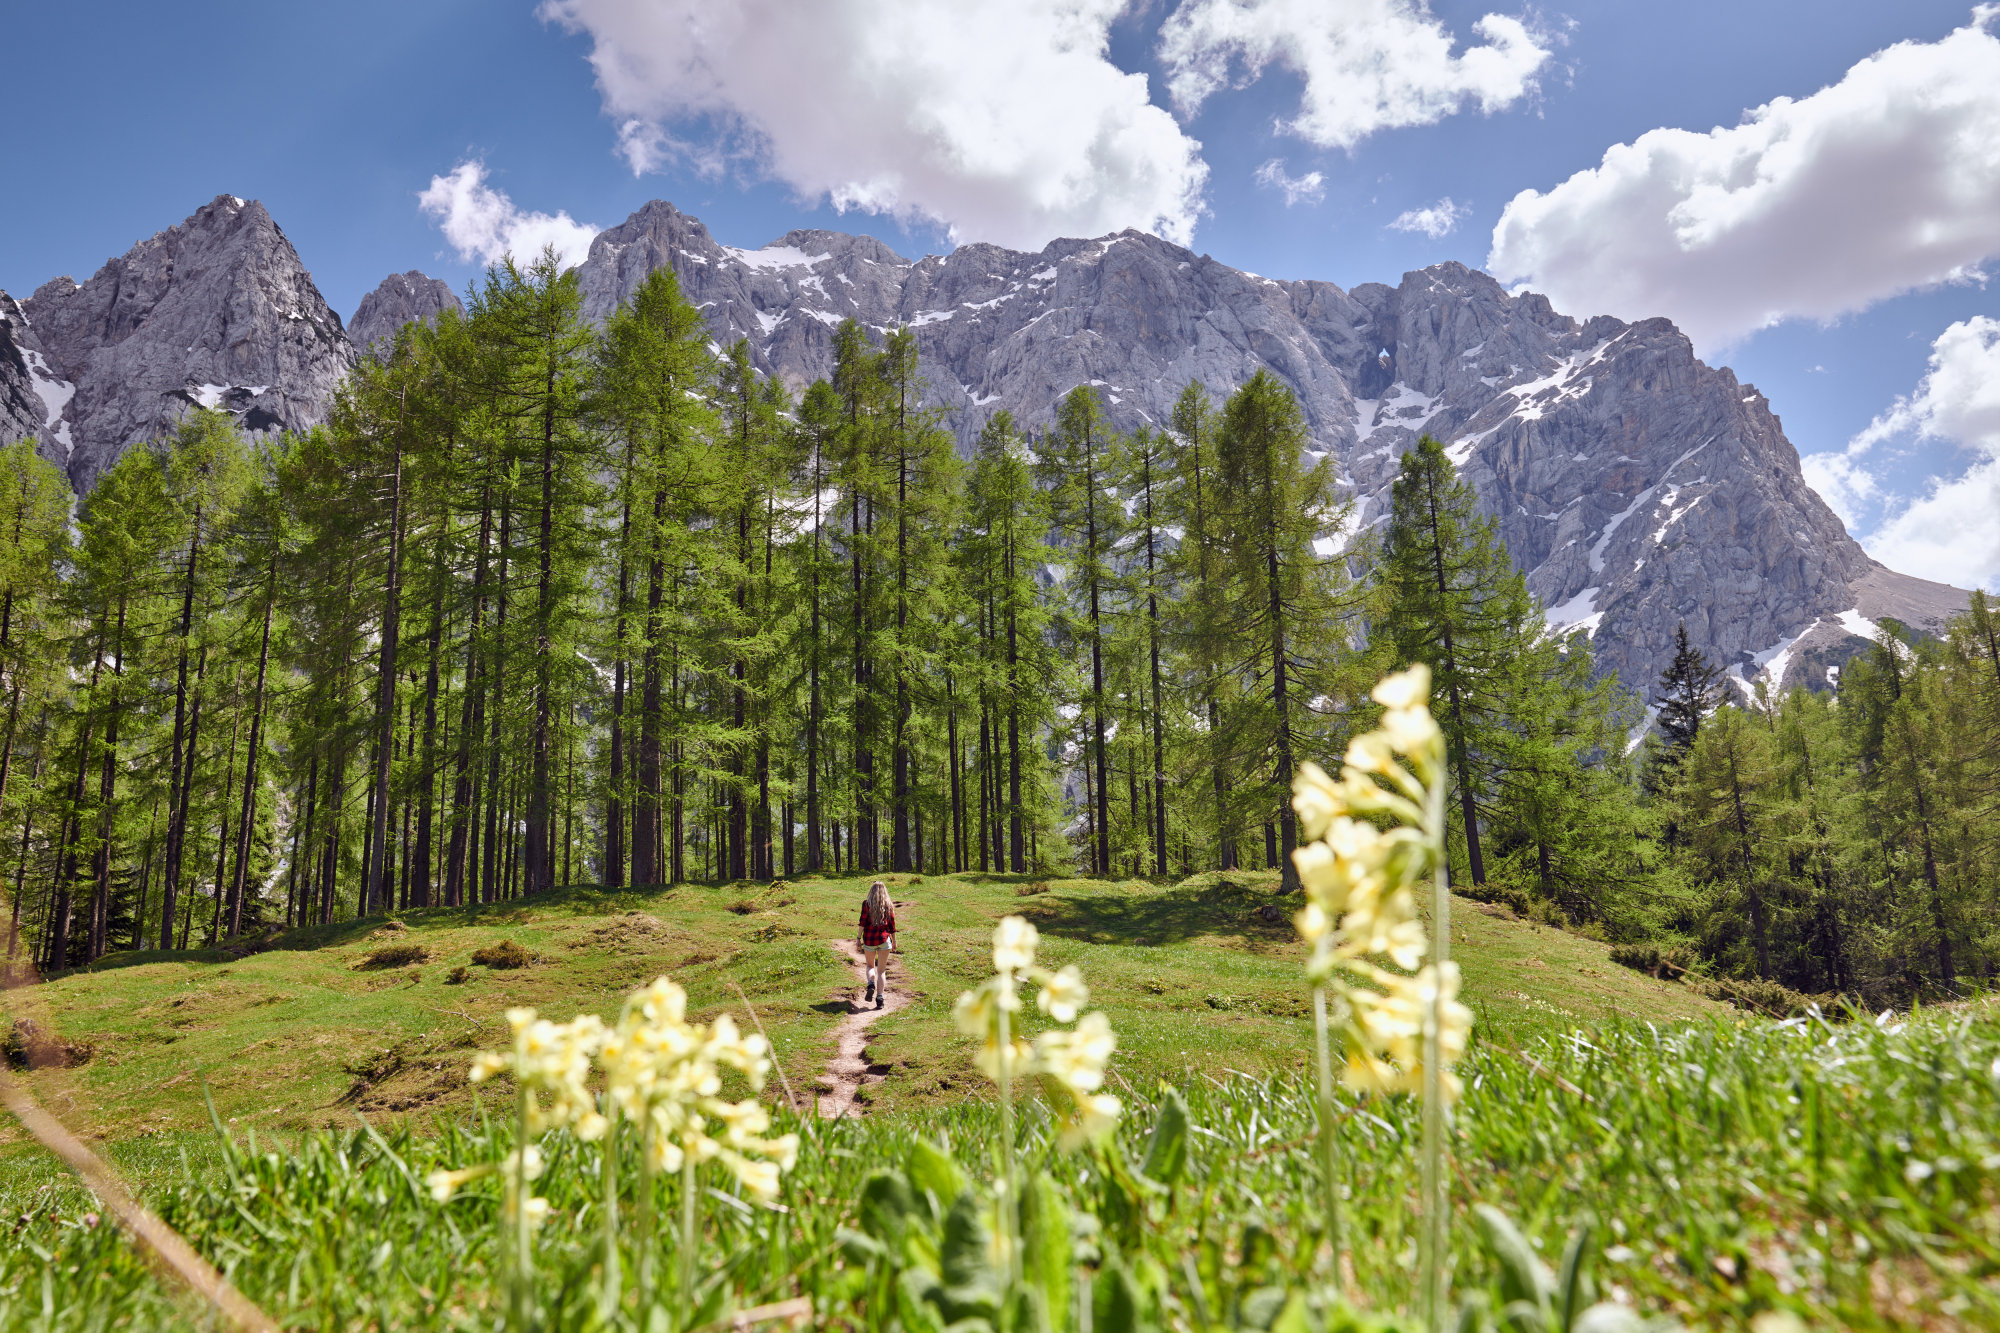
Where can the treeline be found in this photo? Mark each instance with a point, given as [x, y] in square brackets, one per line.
[1846, 842]
[543, 604]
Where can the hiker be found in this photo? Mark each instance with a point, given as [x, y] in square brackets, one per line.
[878, 940]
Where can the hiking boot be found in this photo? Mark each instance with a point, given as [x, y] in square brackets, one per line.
[879, 998]
[871, 993]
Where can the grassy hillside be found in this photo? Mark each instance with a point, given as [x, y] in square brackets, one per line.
[1845, 1174]
[317, 1027]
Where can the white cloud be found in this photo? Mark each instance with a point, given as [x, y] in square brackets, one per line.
[1366, 65]
[1951, 532]
[483, 223]
[1310, 187]
[1437, 222]
[1886, 181]
[1004, 120]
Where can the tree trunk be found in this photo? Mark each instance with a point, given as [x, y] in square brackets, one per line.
[1462, 762]
[182, 757]
[375, 887]
[464, 808]
[246, 823]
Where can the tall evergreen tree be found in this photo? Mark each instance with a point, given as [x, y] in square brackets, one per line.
[1453, 600]
[1275, 507]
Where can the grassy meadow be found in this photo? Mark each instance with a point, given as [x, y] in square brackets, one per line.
[1713, 1168]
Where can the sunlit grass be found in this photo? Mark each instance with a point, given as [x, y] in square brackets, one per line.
[1847, 1173]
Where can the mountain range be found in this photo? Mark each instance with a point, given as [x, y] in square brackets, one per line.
[1638, 488]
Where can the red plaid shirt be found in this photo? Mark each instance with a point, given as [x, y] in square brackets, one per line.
[876, 934]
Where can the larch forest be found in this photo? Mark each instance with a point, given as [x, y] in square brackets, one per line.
[543, 604]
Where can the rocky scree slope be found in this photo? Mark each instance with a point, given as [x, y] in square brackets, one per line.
[1638, 487]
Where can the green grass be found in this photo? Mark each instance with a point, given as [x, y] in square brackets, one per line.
[1710, 1147]
[1846, 1174]
[306, 1033]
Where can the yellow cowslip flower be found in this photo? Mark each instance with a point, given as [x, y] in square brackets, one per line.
[1312, 923]
[987, 1058]
[1412, 731]
[1090, 1117]
[1370, 752]
[665, 1073]
[1316, 798]
[1409, 688]
[1013, 945]
[1077, 1059]
[1062, 994]
[529, 1162]
[537, 1209]
[444, 1184]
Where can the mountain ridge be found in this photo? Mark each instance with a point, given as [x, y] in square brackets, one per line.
[1637, 487]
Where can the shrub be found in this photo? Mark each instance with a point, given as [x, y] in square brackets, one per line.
[506, 954]
[393, 955]
[1030, 890]
[457, 976]
[1771, 998]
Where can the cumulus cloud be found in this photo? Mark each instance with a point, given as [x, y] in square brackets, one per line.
[1948, 532]
[1002, 120]
[1310, 187]
[482, 223]
[1437, 222]
[1886, 181]
[1366, 65]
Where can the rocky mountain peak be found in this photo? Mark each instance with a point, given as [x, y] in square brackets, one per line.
[401, 298]
[217, 311]
[1637, 487]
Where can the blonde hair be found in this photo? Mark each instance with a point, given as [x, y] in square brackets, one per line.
[877, 904]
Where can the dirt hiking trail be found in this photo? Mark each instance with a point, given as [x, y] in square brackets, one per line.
[849, 1071]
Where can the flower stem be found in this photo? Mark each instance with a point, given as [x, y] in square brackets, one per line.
[1328, 1140]
[524, 1253]
[608, 1300]
[687, 1233]
[1436, 1225]
[1009, 1196]
[645, 1225]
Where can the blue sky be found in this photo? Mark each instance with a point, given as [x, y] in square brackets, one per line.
[338, 117]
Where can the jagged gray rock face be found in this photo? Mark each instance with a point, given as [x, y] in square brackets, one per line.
[23, 414]
[1637, 487]
[217, 311]
[402, 298]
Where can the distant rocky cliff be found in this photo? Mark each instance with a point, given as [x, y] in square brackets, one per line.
[1637, 487]
[402, 298]
[217, 311]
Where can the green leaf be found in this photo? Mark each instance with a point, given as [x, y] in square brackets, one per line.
[1166, 1151]
[1114, 1301]
[1293, 1318]
[887, 1205]
[1047, 1260]
[1573, 1285]
[859, 1248]
[1523, 1276]
[935, 1171]
[965, 1258]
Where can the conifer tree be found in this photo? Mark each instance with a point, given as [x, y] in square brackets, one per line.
[1075, 462]
[1453, 600]
[1274, 506]
[1202, 623]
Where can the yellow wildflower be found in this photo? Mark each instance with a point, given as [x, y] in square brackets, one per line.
[1063, 994]
[1013, 945]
